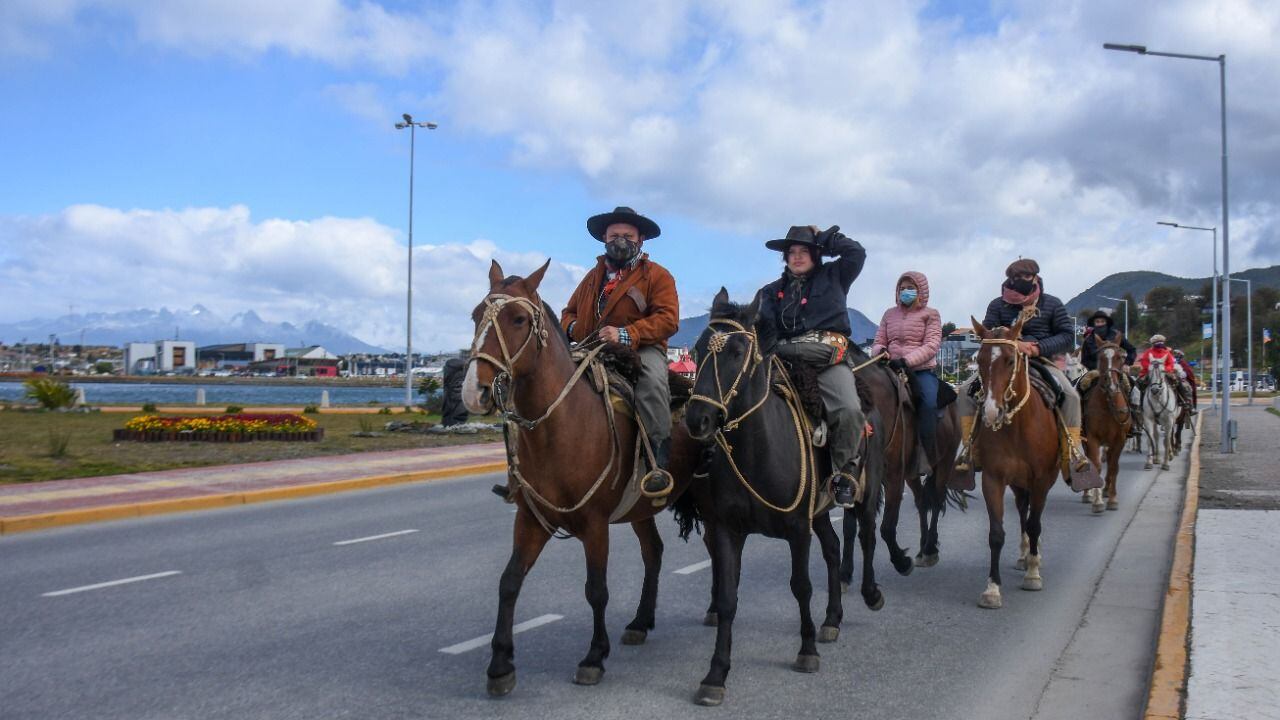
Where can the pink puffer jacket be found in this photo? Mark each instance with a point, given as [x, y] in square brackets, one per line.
[913, 334]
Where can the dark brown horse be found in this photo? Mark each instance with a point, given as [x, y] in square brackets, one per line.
[892, 398]
[1017, 439]
[572, 458]
[1107, 421]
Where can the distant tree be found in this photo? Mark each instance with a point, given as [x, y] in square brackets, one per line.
[948, 328]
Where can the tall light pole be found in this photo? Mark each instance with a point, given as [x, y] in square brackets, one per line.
[1248, 329]
[408, 331]
[1226, 443]
[1126, 312]
[1214, 312]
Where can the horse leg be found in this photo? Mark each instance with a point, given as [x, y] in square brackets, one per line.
[712, 616]
[871, 594]
[1021, 502]
[528, 540]
[1167, 446]
[830, 544]
[848, 532]
[1152, 429]
[728, 556]
[993, 494]
[595, 544]
[802, 590]
[651, 552]
[922, 514]
[1032, 581]
[932, 496]
[1113, 472]
[889, 527]
[1095, 457]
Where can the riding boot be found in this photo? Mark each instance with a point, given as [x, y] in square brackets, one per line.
[658, 481]
[965, 462]
[1079, 461]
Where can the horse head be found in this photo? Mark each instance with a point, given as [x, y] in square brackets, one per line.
[728, 355]
[1000, 361]
[510, 333]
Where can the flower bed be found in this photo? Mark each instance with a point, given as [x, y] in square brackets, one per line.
[220, 428]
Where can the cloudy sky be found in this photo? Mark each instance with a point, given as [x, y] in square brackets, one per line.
[240, 154]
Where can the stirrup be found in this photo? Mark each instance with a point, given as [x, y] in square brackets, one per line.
[650, 488]
[503, 492]
[854, 487]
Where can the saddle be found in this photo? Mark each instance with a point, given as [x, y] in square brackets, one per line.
[620, 371]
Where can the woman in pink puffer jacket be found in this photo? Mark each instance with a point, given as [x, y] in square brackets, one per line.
[911, 332]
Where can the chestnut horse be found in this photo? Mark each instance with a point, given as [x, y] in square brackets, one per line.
[1107, 421]
[1018, 442]
[570, 464]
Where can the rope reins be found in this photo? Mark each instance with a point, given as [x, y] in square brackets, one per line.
[1004, 416]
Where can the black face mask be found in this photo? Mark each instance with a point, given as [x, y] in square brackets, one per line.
[621, 252]
[1022, 287]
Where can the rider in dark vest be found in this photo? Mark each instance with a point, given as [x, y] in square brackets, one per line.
[804, 316]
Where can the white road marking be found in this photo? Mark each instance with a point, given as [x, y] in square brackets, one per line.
[837, 519]
[376, 537]
[691, 569]
[112, 583]
[484, 639]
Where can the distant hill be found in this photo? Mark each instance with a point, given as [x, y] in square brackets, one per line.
[690, 328]
[1140, 282]
[198, 324]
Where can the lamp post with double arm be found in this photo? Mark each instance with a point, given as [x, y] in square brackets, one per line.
[408, 332]
[1214, 312]
[1227, 445]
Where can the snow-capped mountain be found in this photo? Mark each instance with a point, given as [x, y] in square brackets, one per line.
[198, 324]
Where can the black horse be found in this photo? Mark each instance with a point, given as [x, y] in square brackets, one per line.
[764, 477]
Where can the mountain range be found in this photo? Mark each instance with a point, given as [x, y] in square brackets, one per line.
[199, 324]
[1140, 282]
[691, 327]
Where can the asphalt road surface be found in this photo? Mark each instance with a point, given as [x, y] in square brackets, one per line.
[377, 604]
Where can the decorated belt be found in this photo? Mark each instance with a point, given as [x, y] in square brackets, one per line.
[837, 341]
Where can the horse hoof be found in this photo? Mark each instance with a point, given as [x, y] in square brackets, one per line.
[828, 633]
[1164, 466]
[1020, 564]
[1032, 584]
[1098, 508]
[991, 598]
[844, 587]
[927, 560]
[876, 602]
[903, 565]
[1084, 498]
[634, 637]
[805, 664]
[1147, 466]
[1113, 504]
[712, 619]
[588, 675]
[500, 686]
[709, 695]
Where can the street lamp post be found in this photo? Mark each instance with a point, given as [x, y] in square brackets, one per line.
[1248, 328]
[1126, 311]
[408, 331]
[1214, 312]
[1226, 444]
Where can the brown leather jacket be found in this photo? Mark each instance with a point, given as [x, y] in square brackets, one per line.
[645, 303]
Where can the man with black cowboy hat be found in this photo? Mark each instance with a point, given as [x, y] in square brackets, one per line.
[1102, 330]
[1047, 336]
[805, 312]
[628, 298]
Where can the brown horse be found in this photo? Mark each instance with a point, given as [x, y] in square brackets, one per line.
[1107, 421]
[1018, 442]
[570, 464]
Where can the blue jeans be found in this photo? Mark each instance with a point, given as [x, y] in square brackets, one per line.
[927, 412]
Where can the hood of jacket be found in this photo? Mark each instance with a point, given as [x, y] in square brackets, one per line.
[922, 288]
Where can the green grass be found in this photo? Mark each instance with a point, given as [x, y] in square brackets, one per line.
[1273, 411]
[36, 446]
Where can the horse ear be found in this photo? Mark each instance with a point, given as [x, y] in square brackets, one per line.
[721, 297]
[753, 311]
[978, 328]
[1015, 331]
[495, 273]
[534, 279]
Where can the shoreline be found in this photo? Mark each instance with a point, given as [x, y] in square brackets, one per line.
[211, 380]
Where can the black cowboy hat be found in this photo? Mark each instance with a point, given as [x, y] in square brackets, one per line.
[797, 235]
[1100, 314]
[597, 224]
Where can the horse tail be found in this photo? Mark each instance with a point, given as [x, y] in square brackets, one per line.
[688, 518]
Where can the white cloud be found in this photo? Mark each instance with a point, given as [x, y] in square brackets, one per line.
[349, 272]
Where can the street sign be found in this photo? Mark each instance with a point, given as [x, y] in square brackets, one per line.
[1206, 331]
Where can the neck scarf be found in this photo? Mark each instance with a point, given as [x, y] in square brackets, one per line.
[1013, 297]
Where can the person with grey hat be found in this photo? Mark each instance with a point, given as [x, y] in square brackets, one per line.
[1047, 336]
[629, 299]
[804, 316]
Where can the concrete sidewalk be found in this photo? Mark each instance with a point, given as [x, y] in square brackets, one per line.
[33, 506]
[1235, 618]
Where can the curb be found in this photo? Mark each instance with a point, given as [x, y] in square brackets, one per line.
[1169, 675]
[206, 502]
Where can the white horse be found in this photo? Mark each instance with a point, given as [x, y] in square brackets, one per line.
[1159, 410]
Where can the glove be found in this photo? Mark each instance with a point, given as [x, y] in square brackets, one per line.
[898, 364]
[824, 238]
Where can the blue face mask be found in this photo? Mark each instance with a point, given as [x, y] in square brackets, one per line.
[906, 297]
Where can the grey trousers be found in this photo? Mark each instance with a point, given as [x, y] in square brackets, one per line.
[843, 414]
[1070, 400]
[653, 394]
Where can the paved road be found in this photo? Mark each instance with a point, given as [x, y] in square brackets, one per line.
[265, 615]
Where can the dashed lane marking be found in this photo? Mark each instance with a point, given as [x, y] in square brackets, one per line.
[376, 537]
[484, 639]
[691, 569]
[112, 583]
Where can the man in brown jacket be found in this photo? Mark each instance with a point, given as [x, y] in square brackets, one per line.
[628, 298]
